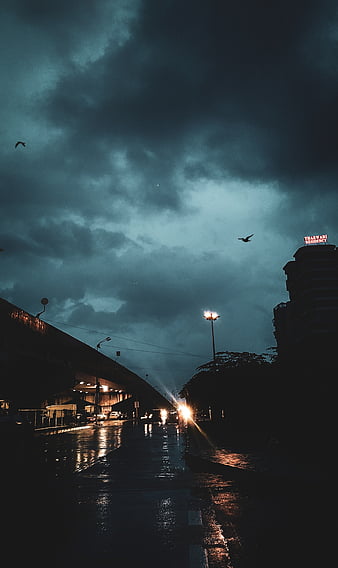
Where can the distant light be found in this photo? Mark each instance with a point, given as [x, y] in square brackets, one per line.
[164, 415]
[185, 412]
[210, 315]
[31, 321]
[315, 239]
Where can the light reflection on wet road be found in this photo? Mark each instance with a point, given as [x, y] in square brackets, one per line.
[280, 520]
[122, 495]
[132, 505]
[117, 494]
[75, 450]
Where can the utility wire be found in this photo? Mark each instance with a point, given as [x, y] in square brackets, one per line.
[162, 352]
[129, 339]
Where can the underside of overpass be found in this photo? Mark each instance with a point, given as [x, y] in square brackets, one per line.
[42, 367]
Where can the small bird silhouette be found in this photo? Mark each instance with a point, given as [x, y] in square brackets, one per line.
[19, 142]
[245, 239]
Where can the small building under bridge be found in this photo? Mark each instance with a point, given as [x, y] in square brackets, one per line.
[56, 379]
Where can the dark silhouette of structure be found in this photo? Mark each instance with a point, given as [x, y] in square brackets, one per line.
[50, 373]
[306, 331]
[306, 327]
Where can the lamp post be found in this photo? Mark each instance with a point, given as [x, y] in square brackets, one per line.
[212, 316]
[44, 302]
[97, 384]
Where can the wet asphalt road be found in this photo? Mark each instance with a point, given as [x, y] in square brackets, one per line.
[121, 494]
[131, 508]
[280, 514]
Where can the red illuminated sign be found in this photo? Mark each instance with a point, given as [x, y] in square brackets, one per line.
[315, 239]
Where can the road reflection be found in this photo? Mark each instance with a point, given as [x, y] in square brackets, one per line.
[241, 460]
[148, 429]
[75, 450]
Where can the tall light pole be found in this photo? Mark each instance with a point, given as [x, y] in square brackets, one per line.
[212, 316]
[97, 385]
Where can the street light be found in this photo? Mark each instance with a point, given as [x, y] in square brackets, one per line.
[102, 341]
[97, 385]
[44, 302]
[212, 316]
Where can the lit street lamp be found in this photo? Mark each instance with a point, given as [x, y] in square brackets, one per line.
[97, 385]
[212, 316]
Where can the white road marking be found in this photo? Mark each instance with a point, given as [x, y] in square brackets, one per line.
[195, 518]
[198, 556]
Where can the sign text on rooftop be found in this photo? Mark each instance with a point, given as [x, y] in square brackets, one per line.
[315, 239]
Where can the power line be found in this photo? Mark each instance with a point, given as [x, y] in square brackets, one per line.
[130, 339]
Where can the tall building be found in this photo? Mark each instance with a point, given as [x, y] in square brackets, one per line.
[306, 327]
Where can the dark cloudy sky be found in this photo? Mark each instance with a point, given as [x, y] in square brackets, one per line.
[158, 132]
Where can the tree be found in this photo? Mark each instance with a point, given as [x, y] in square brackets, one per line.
[236, 386]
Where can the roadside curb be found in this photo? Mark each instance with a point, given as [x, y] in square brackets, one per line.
[198, 557]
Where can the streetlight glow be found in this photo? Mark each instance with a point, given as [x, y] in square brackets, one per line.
[208, 315]
[212, 316]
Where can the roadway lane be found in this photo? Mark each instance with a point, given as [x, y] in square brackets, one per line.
[72, 451]
[119, 495]
[132, 506]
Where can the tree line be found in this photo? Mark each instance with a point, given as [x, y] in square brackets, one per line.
[260, 398]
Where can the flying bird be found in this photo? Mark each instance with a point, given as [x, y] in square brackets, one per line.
[19, 142]
[245, 239]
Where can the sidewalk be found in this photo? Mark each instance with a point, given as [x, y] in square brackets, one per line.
[276, 509]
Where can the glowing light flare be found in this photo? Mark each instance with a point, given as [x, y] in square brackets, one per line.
[208, 315]
[164, 415]
[185, 412]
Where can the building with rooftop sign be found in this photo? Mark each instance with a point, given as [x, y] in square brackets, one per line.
[307, 325]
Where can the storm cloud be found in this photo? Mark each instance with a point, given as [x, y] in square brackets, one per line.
[157, 133]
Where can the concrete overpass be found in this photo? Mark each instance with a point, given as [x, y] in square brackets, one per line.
[43, 368]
